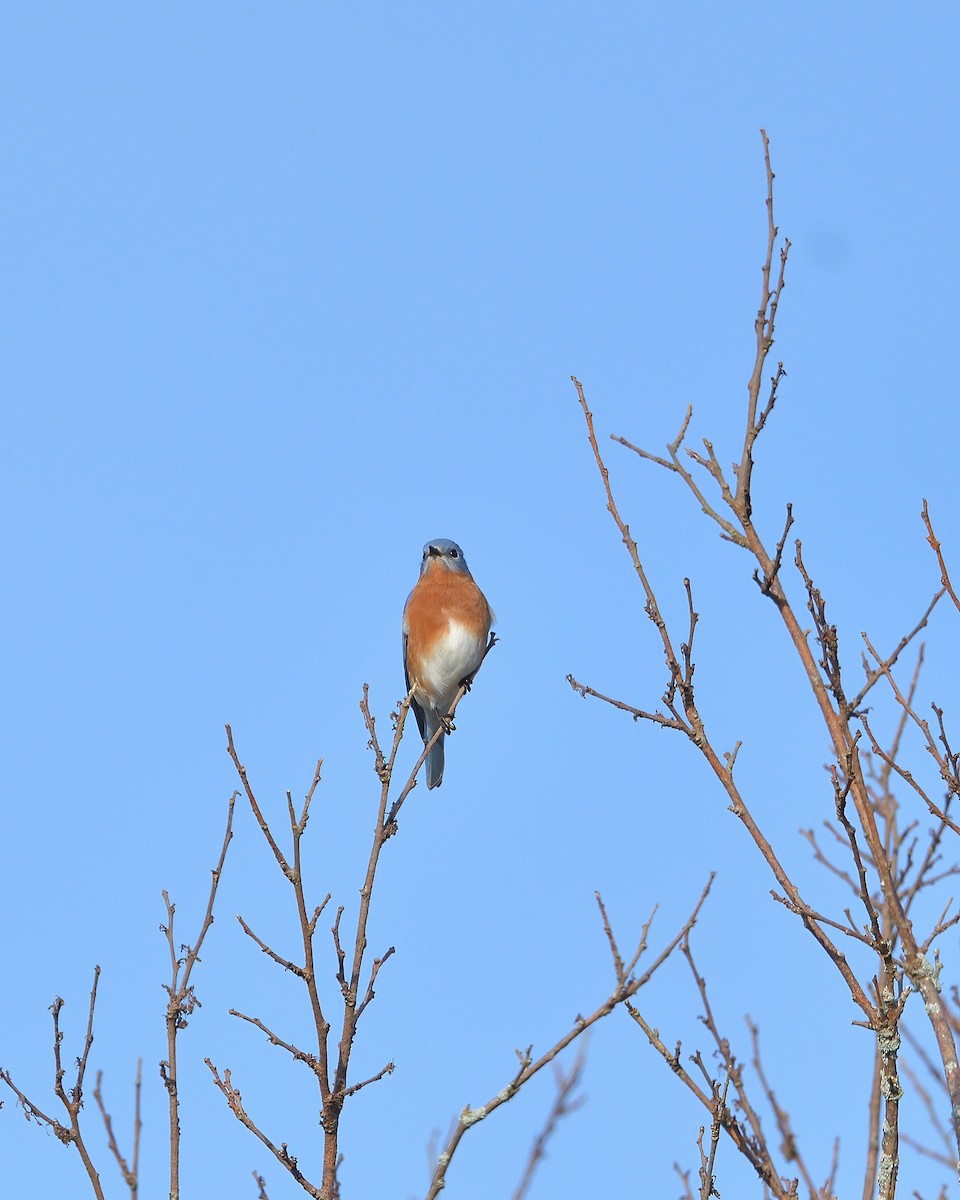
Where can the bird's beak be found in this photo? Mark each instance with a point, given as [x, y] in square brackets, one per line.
[434, 552]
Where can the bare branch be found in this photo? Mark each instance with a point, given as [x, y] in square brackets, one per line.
[254, 806]
[764, 327]
[331, 1065]
[563, 1105]
[181, 998]
[70, 1134]
[281, 1153]
[356, 1087]
[625, 989]
[766, 583]
[788, 1146]
[638, 714]
[727, 529]
[708, 1160]
[129, 1172]
[883, 669]
[935, 546]
[298, 1055]
[292, 967]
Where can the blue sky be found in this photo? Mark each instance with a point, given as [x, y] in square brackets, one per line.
[289, 290]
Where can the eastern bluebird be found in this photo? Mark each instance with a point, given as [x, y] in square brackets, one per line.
[446, 622]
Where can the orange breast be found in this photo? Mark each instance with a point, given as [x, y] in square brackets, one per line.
[441, 599]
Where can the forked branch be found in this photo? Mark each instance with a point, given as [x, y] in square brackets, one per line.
[882, 874]
[71, 1100]
[627, 985]
[356, 975]
[182, 999]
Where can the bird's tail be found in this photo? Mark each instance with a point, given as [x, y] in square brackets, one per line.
[435, 757]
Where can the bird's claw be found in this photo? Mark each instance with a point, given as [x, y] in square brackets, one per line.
[445, 720]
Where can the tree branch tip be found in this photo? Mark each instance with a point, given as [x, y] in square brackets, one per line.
[579, 688]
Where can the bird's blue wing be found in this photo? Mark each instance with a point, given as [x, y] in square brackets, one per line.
[417, 709]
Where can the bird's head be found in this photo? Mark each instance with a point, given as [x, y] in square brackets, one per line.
[442, 554]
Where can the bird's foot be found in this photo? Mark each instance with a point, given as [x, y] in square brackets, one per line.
[445, 720]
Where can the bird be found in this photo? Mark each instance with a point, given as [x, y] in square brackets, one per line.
[446, 623]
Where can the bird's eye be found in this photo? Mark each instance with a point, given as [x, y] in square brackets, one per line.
[454, 553]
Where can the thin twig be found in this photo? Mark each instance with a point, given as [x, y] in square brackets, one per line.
[72, 1101]
[129, 1172]
[935, 546]
[281, 1153]
[626, 988]
[182, 999]
[564, 1104]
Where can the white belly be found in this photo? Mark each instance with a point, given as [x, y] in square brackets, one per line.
[456, 655]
